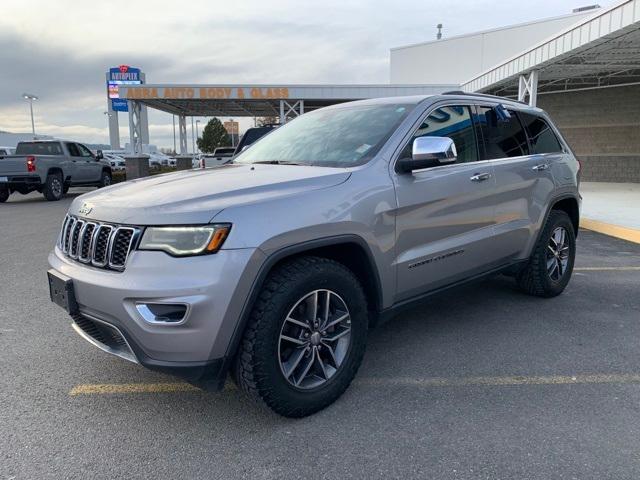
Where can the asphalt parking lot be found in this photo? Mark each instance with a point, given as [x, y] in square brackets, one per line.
[480, 382]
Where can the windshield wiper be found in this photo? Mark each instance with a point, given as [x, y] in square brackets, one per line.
[278, 162]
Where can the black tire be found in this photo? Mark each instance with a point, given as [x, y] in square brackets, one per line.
[65, 189]
[536, 279]
[4, 193]
[53, 187]
[257, 368]
[105, 179]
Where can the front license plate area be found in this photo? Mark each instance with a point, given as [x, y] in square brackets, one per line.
[61, 291]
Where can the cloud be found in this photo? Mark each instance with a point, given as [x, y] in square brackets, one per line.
[62, 57]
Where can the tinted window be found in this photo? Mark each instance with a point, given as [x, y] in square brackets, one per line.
[39, 148]
[541, 137]
[84, 151]
[502, 133]
[73, 149]
[453, 122]
[342, 136]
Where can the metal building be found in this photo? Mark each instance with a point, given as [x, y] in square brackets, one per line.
[586, 75]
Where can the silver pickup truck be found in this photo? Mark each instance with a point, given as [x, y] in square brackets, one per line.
[51, 167]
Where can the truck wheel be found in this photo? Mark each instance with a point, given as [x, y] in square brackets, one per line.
[53, 188]
[4, 193]
[551, 264]
[306, 337]
[105, 180]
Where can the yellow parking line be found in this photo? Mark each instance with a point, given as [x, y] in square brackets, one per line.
[604, 269]
[625, 233]
[506, 380]
[113, 388]
[128, 388]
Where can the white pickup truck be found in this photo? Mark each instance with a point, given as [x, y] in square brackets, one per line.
[51, 167]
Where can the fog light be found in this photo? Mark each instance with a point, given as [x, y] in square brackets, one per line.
[168, 313]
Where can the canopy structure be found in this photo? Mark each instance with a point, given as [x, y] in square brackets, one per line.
[227, 100]
[601, 50]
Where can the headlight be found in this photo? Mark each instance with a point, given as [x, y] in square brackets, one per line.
[185, 241]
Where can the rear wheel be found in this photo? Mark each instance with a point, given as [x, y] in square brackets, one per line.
[306, 337]
[53, 188]
[4, 193]
[551, 264]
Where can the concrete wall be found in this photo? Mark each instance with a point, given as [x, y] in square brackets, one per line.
[603, 128]
[458, 59]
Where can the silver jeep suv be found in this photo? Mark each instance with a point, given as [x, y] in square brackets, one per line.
[274, 267]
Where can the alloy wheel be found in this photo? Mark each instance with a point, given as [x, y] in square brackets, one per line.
[314, 339]
[558, 251]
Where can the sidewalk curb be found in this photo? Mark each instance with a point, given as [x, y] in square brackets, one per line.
[624, 233]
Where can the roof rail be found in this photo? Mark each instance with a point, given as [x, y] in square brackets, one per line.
[460, 92]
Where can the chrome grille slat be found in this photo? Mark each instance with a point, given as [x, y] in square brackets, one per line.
[75, 239]
[102, 245]
[86, 242]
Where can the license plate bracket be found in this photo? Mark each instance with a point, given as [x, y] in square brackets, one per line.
[61, 291]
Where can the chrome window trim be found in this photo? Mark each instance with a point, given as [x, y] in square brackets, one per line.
[421, 119]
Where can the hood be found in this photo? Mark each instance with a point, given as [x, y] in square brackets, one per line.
[196, 196]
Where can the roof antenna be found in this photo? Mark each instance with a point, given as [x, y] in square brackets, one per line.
[439, 35]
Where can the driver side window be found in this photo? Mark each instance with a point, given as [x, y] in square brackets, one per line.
[453, 122]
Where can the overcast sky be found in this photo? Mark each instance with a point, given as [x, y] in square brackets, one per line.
[60, 49]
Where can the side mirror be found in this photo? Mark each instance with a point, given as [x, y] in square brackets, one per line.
[428, 152]
[99, 155]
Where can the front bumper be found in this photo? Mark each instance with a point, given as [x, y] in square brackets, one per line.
[214, 287]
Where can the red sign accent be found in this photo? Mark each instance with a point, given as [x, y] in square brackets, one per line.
[124, 68]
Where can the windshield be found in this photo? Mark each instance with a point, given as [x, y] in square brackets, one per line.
[336, 137]
[39, 148]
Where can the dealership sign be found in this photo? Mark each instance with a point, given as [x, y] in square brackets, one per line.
[122, 75]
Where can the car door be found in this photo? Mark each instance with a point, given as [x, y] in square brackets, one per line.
[445, 214]
[93, 167]
[524, 181]
[78, 170]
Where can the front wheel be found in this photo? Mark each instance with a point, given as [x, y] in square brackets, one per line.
[551, 264]
[4, 193]
[306, 337]
[105, 180]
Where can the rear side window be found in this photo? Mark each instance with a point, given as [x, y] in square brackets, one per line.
[453, 122]
[38, 148]
[502, 132]
[541, 137]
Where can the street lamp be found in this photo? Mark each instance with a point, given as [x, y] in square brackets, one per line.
[31, 98]
[197, 122]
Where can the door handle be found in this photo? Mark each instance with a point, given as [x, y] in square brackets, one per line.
[480, 177]
[542, 166]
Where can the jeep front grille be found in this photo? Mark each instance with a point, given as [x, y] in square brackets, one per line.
[102, 245]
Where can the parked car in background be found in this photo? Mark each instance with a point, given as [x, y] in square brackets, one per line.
[7, 151]
[253, 135]
[51, 167]
[118, 164]
[274, 268]
[220, 156]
